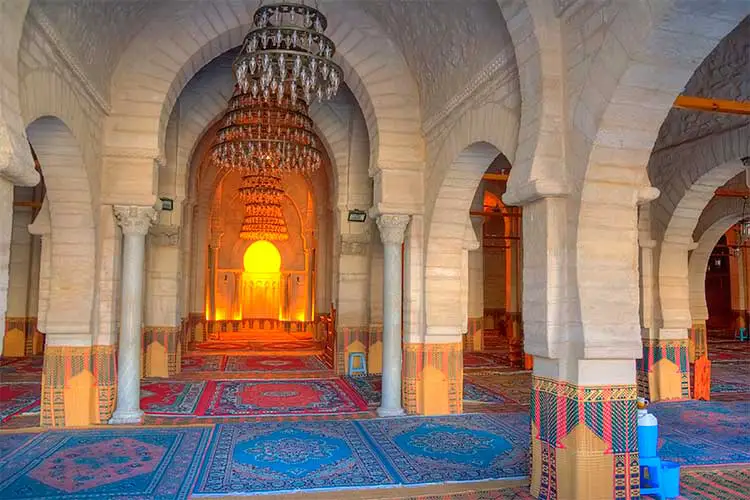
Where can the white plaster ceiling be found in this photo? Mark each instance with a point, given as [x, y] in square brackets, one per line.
[445, 42]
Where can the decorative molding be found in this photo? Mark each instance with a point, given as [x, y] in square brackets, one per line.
[503, 63]
[69, 57]
[392, 228]
[134, 219]
[165, 236]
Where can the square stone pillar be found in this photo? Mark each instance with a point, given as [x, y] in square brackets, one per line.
[433, 378]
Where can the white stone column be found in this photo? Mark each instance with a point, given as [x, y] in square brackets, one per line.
[214, 248]
[135, 222]
[6, 228]
[392, 234]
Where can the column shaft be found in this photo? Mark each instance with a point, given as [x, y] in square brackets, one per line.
[392, 233]
[135, 222]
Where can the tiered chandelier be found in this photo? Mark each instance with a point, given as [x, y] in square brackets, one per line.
[264, 219]
[285, 62]
[286, 52]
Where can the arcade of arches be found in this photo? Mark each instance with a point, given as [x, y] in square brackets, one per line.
[540, 189]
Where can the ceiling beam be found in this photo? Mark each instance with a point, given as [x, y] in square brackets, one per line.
[712, 105]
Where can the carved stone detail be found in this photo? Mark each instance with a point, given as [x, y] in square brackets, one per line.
[165, 236]
[135, 219]
[392, 228]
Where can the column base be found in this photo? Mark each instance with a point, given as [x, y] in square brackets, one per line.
[162, 352]
[664, 370]
[390, 412]
[433, 381]
[127, 417]
[698, 346]
[79, 385]
[583, 441]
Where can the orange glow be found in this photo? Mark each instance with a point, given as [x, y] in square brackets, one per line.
[262, 257]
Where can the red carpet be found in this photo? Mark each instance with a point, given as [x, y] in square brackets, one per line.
[170, 397]
[18, 398]
[278, 397]
[274, 364]
[486, 360]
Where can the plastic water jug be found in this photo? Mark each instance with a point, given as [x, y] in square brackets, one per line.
[670, 478]
[648, 434]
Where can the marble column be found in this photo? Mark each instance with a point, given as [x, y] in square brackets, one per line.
[392, 229]
[135, 222]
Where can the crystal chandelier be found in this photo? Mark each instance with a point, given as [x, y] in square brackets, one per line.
[264, 219]
[286, 51]
[267, 134]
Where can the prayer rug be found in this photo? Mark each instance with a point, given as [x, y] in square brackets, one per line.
[105, 464]
[171, 397]
[486, 360]
[278, 397]
[203, 363]
[512, 387]
[517, 493]
[730, 377]
[719, 352]
[470, 447]
[721, 484]
[370, 387]
[275, 364]
[704, 432]
[283, 457]
[17, 398]
[11, 442]
[29, 367]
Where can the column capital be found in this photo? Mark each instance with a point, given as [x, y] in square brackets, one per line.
[392, 227]
[135, 219]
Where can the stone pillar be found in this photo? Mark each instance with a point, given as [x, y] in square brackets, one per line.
[392, 229]
[162, 346]
[214, 248]
[474, 338]
[135, 222]
[353, 303]
[513, 287]
[736, 282]
[6, 229]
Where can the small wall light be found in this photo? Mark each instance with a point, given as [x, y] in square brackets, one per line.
[167, 204]
[357, 215]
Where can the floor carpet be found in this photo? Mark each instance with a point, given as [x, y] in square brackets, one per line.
[730, 377]
[274, 364]
[289, 348]
[226, 398]
[27, 368]
[169, 397]
[704, 432]
[486, 360]
[724, 484]
[203, 363]
[283, 456]
[17, 398]
[369, 388]
[109, 464]
[731, 350]
[512, 387]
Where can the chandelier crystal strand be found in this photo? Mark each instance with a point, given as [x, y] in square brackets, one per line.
[287, 51]
[264, 219]
[267, 134]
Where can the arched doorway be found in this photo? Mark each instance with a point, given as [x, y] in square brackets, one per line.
[260, 282]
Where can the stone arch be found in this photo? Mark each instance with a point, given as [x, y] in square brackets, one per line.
[446, 237]
[144, 91]
[535, 31]
[16, 162]
[678, 238]
[72, 271]
[717, 220]
[615, 120]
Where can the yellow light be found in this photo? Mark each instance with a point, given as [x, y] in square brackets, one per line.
[262, 257]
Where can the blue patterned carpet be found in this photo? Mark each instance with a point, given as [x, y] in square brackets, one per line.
[704, 432]
[102, 464]
[287, 456]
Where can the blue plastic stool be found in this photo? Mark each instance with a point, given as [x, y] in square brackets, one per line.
[742, 335]
[654, 485]
[359, 370]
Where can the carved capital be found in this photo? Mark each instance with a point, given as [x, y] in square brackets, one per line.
[135, 219]
[392, 228]
[165, 236]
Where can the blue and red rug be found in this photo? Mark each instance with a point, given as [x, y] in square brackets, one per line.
[26, 368]
[370, 387]
[704, 432]
[730, 377]
[486, 360]
[276, 364]
[281, 457]
[170, 397]
[233, 398]
[17, 398]
[137, 464]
